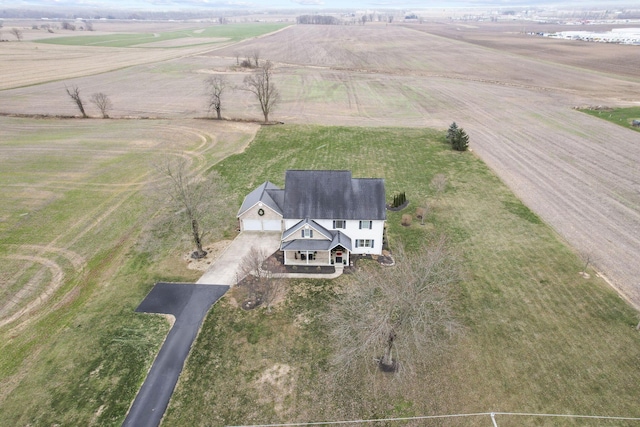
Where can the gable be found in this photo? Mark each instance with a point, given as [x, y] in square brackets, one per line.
[332, 194]
[268, 194]
[319, 232]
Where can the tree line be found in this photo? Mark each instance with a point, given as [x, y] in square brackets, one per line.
[260, 84]
[318, 20]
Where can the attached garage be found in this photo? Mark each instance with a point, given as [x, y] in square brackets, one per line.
[260, 211]
[261, 225]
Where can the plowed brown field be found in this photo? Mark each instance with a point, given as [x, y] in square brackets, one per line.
[513, 94]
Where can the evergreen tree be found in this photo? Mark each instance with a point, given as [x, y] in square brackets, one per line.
[457, 137]
[452, 132]
[461, 141]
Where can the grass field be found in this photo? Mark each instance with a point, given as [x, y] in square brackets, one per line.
[72, 351]
[233, 33]
[620, 116]
[538, 337]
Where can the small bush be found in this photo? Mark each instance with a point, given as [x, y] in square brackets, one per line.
[406, 220]
[421, 213]
[399, 200]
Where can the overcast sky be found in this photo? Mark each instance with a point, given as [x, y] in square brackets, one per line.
[297, 4]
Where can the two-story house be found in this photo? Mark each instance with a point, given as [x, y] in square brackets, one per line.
[323, 215]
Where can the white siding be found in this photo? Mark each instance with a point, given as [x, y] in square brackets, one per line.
[375, 234]
[353, 230]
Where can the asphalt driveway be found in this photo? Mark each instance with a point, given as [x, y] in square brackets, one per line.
[189, 304]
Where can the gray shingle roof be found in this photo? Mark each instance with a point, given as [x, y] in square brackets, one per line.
[332, 194]
[339, 239]
[267, 193]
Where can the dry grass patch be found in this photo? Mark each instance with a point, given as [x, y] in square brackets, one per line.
[72, 272]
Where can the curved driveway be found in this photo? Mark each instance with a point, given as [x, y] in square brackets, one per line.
[189, 303]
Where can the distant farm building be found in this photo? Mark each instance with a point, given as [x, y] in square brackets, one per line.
[617, 35]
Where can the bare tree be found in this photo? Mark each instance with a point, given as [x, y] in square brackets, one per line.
[422, 211]
[102, 101]
[215, 87]
[88, 25]
[397, 315]
[256, 58]
[587, 258]
[17, 33]
[192, 200]
[438, 184]
[262, 287]
[237, 55]
[74, 93]
[261, 85]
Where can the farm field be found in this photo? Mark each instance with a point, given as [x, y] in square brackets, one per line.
[515, 96]
[44, 58]
[73, 207]
[578, 173]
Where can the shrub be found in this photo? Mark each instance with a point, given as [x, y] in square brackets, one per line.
[406, 220]
[399, 200]
[457, 137]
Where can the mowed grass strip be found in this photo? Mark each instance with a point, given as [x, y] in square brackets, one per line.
[620, 116]
[537, 336]
[232, 32]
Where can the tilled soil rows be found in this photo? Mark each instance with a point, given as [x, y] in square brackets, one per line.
[514, 94]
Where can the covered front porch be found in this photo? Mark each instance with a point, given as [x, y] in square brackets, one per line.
[314, 252]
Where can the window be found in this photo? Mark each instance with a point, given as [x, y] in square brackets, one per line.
[339, 224]
[364, 243]
[365, 224]
[307, 233]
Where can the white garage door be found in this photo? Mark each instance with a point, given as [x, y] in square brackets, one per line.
[271, 225]
[252, 225]
[261, 225]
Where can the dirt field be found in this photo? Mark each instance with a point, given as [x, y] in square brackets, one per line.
[580, 175]
[513, 94]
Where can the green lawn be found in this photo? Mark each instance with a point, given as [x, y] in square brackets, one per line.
[537, 337]
[620, 116]
[232, 32]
